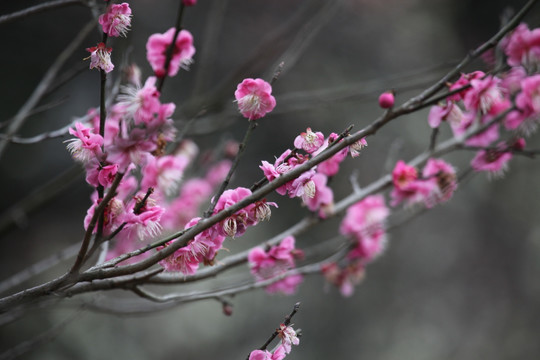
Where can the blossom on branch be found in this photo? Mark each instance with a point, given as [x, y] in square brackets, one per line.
[100, 57]
[182, 53]
[254, 98]
[117, 20]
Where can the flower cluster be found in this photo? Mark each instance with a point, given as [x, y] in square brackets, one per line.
[288, 338]
[311, 186]
[482, 102]
[364, 225]
[275, 261]
[436, 185]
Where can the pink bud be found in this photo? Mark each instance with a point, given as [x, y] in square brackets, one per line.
[189, 2]
[386, 100]
[227, 309]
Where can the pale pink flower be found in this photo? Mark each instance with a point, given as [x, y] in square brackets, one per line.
[144, 222]
[528, 100]
[493, 161]
[236, 224]
[288, 337]
[134, 149]
[112, 215]
[106, 174]
[260, 355]
[511, 81]
[483, 94]
[330, 167]
[274, 262]
[357, 146]
[182, 260]
[522, 46]
[141, 103]
[86, 146]
[182, 57]
[464, 80]
[443, 177]
[100, 57]
[164, 173]
[323, 198]
[448, 111]
[364, 222]
[218, 172]
[254, 98]
[344, 278]
[117, 20]
[309, 141]
[386, 100]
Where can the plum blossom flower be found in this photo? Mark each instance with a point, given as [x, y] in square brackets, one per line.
[143, 221]
[100, 57]
[117, 20]
[266, 264]
[357, 146]
[236, 224]
[483, 94]
[523, 46]
[309, 141]
[254, 98]
[443, 178]
[164, 172]
[86, 146]
[448, 111]
[364, 222]
[288, 337]
[182, 57]
[344, 278]
[141, 103]
[493, 161]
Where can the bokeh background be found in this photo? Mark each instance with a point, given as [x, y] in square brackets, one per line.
[457, 282]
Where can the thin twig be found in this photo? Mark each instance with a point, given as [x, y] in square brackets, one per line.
[4, 19]
[44, 84]
[225, 183]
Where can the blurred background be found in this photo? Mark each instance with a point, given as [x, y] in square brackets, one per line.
[457, 282]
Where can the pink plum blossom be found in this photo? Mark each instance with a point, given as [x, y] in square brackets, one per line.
[493, 161]
[323, 198]
[266, 264]
[522, 46]
[483, 94]
[309, 141]
[364, 222]
[117, 20]
[86, 146]
[357, 146]
[100, 57]
[463, 81]
[142, 104]
[182, 57]
[142, 221]
[448, 111]
[164, 173]
[236, 224]
[345, 278]
[254, 98]
[288, 337]
[443, 178]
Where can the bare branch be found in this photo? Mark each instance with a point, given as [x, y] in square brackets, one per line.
[4, 19]
[44, 84]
